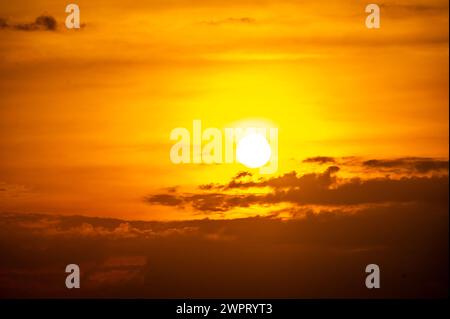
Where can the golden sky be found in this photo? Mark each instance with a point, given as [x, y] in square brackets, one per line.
[85, 115]
[363, 140]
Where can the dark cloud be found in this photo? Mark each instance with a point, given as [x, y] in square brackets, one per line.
[321, 255]
[412, 164]
[320, 160]
[379, 190]
[3, 23]
[204, 202]
[405, 165]
[164, 199]
[239, 180]
[243, 174]
[283, 181]
[315, 189]
[42, 23]
[209, 186]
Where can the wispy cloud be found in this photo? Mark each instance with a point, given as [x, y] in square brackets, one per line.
[42, 23]
[415, 164]
[402, 165]
[231, 20]
[320, 159]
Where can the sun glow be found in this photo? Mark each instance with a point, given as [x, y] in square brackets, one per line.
[253, 150]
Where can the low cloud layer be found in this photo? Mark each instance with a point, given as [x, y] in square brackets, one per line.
[319, 255]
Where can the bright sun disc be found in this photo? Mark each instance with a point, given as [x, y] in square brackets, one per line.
[253, 150]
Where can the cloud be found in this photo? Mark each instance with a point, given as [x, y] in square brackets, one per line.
[283, 181]
[320, 160]
[12, 190]
[42, 23]
[164, 199]
[82, 227]
[291, 179]
[377, 190]
[318, 255]
[402, 165]
[324, 188]
[243, 174]
[3, 24]
[412, 164]
[205, 202]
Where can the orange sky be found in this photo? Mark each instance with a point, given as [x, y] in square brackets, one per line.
[86, 177]
[85, 116]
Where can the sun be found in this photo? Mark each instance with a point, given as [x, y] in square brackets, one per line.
[253, 150]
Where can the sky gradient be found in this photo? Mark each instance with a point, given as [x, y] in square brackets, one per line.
[362, 114]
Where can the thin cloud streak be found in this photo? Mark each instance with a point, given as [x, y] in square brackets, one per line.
[42, 23]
